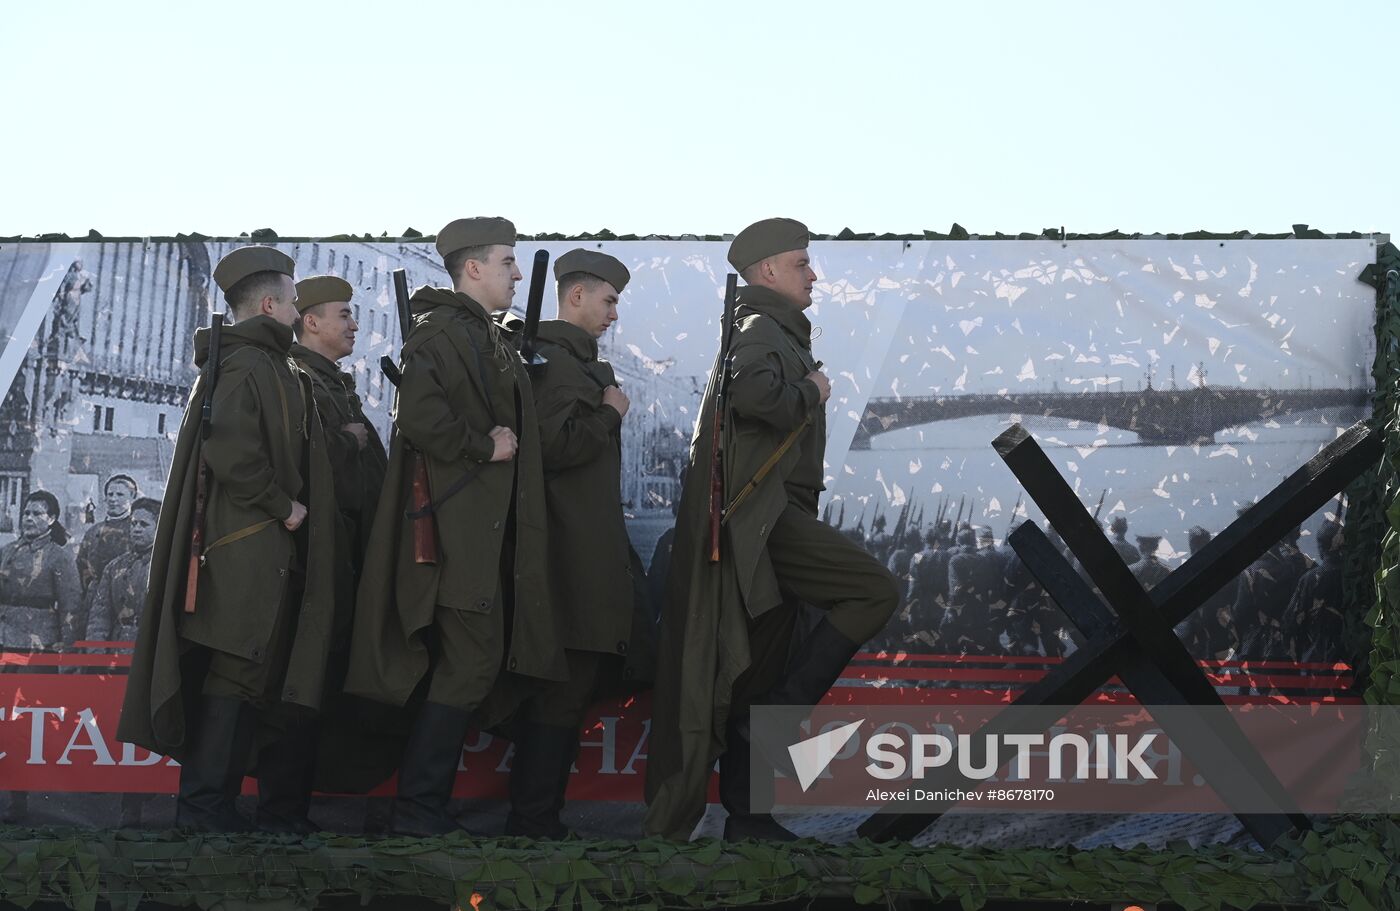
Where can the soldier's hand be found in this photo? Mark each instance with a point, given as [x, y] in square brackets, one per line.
[818, 379]
[298, 516]
[506, 444]
[617, 399]
[359, 432]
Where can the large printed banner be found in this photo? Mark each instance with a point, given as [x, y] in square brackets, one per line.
[1172, 381]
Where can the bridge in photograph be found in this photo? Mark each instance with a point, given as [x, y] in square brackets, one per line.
[1158, 416]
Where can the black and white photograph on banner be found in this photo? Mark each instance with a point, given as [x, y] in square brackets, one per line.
[787, 456]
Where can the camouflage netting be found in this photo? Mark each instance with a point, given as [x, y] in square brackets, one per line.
[1347, 867]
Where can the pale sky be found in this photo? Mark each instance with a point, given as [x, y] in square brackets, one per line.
[317, 118]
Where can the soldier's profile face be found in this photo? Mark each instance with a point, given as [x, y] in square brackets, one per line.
[793, 277]
[496, 278]
[598, 307]
[35, 520]
[118, 497]
[143, 530]
[337, 327]
[284, 303]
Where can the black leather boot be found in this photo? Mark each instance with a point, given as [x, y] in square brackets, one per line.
[211, 776]
[812, 671]
[539, 776]
[286, 767]
[429, 768]
[735, 780]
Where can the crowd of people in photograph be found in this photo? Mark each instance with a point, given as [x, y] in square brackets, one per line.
[965, 593]
[56, 591]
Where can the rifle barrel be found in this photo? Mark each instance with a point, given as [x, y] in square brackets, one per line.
[401, 299]
[533, 303]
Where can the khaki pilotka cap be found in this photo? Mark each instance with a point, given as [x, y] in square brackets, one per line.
[599, 265]
[322, 289]
[766, 238]
[245, 261]
[474, 232]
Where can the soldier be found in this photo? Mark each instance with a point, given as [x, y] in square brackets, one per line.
[928, 588]
[1210, 631]
[727, 626]
[40, 596]
[580, 409]
[246, 666]
[325, 331]
[974, 583]
[878, 543]
[903, 555]
[111, 537]
[1119, 528]
[1312, 627]
[466, 410]
[120, 592]
[1265, 589]
[1148, 569]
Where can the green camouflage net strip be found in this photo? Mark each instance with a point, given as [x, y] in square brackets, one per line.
[1376, 515]
[1348, 867]
[956, 232]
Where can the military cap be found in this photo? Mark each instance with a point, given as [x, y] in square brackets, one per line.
[245, 261]
[1119, 525]
[474, 232]
[766, 238]
[599, 265]
[1148, 542]
[321, 289]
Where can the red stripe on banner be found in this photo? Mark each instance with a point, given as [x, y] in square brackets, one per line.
[52, 659]
[1019, 676]
[897, 658]
[942, 673]
[923, 657]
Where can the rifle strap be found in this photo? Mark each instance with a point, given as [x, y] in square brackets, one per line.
[467, 477]
[239, 535]
[480, 362]
[763, 470]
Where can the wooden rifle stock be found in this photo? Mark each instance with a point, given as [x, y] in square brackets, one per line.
[201, 499]
[425, 543]
[731, 293]
[201, 481]
[420, 496]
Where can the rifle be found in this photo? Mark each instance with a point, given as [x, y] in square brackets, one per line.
[201, 481]
[533, 301]
[1100, 506]
[826, 513]
[425, 542]
[897, 536]
[958, 521]
[841, 516]
[1012, 521]
[731, 294]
